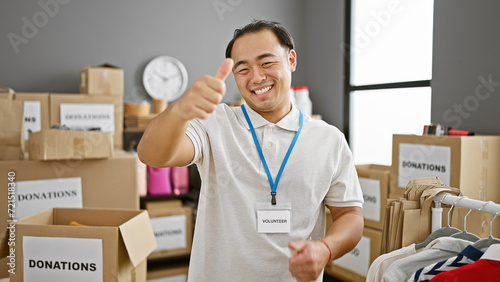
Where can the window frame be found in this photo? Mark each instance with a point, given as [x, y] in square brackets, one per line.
[348, 87]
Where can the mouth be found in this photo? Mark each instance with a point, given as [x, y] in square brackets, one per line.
[262, 91]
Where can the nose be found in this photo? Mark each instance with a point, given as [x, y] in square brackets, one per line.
[258, 75]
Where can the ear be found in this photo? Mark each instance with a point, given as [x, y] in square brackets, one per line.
[292, 59]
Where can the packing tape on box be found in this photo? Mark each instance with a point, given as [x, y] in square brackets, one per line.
[483, 184]
[83, 79]
[78, 147]
[105, 81]
[484, 148]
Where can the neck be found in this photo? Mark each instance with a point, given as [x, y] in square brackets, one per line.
[277, 115]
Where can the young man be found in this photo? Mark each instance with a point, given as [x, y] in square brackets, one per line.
[267, 171]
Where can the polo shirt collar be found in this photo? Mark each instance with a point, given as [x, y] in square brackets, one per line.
[288, 122]
[492, 253]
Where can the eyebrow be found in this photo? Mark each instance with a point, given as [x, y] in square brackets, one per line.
[260, 57]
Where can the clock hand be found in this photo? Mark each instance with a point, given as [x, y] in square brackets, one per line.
[164, 77]
[172, 76]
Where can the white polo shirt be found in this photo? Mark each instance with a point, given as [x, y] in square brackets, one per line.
[319, 172]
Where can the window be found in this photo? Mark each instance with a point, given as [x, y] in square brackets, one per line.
[388, 72]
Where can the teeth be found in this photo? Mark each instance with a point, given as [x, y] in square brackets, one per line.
[263, 90]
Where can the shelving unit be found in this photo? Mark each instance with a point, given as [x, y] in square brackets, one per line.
[131, 138]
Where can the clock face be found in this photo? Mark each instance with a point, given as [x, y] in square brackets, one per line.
[165, 78]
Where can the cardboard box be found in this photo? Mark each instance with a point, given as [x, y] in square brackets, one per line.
[112, 246]
[78, 107]
[173, 228]
[374, 180]
[105, 183]
[105, 79]
[354, 265]
[170, 272]
[470, 163]
[4, 268]
[36, 112]
[55, 144]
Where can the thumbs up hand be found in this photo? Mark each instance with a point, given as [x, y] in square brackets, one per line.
[205, 94]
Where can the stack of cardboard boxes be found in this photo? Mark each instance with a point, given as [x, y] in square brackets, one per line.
[74, 191]
[469, 163]
[173, 230]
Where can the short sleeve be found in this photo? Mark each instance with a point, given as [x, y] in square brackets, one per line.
[197, 133]
[345, 190]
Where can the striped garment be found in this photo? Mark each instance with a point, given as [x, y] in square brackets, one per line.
[468, 255]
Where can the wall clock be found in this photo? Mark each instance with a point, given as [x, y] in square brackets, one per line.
[165, 78]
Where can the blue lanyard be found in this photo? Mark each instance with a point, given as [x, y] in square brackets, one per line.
[274, 184]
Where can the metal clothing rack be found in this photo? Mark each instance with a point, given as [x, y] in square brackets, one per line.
[459, 201]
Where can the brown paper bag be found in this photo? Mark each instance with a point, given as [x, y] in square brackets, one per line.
[405, 206]
[11, 129]
[6, 93]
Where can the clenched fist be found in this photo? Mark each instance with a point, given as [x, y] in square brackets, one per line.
[204, 94]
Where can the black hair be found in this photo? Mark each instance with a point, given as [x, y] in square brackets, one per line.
[281, 33]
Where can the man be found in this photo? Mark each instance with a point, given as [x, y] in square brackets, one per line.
[267, 171]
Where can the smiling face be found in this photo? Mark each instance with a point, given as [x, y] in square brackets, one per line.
[263, 72]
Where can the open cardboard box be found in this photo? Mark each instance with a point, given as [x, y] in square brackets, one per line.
[112, 246]
[105, 112]
[105, 183]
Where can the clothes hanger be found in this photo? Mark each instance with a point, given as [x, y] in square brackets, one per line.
[464, 234]
[490, 240]
[441, 232]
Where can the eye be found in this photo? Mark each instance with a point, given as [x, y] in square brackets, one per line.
[266, 64]
[242, 71]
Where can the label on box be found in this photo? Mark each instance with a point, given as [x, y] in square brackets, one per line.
[358, 260]
[176, 278]
[32, 117]
[89, 116]
[34, 196]
[60, 259]
[371, 195]
[170, 232]
[417, 161]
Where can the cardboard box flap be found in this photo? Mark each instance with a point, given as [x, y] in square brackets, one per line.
[45, 217]
[138, 237]
[57, 144]
[105, 65]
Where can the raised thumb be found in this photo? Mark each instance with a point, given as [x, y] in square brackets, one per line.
[224, 69]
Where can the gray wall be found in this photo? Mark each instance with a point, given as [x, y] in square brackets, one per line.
[466, 57]
[127, 33]
[323, 58]
[130, 33]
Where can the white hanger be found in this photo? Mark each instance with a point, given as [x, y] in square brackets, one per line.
[464, 234]
[441, 232]
[490, 240]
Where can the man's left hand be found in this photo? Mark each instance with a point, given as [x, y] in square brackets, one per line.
[309, 260]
